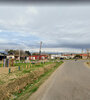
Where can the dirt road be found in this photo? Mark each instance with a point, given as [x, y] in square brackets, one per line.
[71, 81]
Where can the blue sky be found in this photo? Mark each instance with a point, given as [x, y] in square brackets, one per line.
[57, 26]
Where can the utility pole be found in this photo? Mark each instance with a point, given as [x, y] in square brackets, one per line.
[82, 54]
[19, 55]
[40, 48]
[87, 53]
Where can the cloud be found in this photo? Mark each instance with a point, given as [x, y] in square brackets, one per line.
[56, 26]
[32, 10]
[0, 30]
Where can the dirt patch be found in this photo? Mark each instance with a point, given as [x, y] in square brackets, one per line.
[87, 64]
[7, 90]
[4, 70]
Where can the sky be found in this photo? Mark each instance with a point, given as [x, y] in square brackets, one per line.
[62, 27]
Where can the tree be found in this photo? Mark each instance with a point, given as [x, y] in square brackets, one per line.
[78, 56]
[11, 52]
[35, 54]
[28, 53]
[16, 52]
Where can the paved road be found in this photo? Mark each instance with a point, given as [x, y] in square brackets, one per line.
[71, 81]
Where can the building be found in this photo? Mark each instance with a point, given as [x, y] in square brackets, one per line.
[20, 58]
[38, 57]
[55, 56]
[10, 57]
[63, 56]
[84, 56]
[69, 56]
[2, 55]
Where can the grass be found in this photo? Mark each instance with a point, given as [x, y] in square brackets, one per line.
[31, 88]
[5, 78]
[34, 65]
[18, 73]
[0, 65]
[1, 82]
[24, 70]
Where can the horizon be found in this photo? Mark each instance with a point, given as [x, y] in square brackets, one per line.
[53, 51]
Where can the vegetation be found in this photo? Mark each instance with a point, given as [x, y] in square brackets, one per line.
[25, 68]
[0, 65]
[16, 52]
[28, 53]
[78, 56]
[33, 75]
[35, 54]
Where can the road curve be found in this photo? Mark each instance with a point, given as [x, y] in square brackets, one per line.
[71, 81]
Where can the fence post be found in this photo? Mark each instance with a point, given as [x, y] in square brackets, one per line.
[9, 71]
[18, 67]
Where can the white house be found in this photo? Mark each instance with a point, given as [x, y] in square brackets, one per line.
[55, 56]
[10, 57]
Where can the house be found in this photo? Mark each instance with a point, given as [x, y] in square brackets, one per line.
[10, 57]
[55, 56]
[2, 55]
[21, 57]
[84, 56]
[69, 56]
[38, 57]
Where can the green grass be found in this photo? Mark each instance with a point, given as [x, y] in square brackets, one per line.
[30, 88]
[1, 82]
[32, 67]
[26, 71]
[0, 65]
[24, 64]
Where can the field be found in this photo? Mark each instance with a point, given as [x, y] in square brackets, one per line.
[16, 72]
[22, 74]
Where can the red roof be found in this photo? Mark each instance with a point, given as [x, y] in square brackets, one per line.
[37, 56]
[83, 55]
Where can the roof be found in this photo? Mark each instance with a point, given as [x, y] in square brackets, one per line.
[36, 55]
[83, 55]
[3, 52]
[69, 54]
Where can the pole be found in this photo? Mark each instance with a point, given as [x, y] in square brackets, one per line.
[82, 53]
[40, 48]
[87, 54]
[19, 55]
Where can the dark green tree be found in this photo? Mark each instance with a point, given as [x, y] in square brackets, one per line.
[28, 53]
[78, 56]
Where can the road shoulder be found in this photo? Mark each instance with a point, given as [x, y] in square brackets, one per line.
[85, 63]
